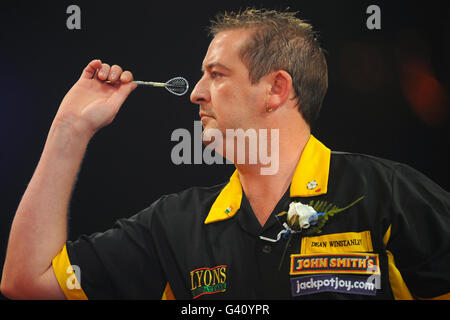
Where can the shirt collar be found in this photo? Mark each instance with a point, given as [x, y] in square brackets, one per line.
[310, 179]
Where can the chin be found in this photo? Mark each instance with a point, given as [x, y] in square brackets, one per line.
[211, 135]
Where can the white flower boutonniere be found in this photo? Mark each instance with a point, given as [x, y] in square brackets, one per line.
[300, 216]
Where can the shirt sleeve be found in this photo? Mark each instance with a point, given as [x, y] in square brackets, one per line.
[419, 238]
[120, 263]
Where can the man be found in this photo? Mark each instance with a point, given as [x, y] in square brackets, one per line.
[356, 226]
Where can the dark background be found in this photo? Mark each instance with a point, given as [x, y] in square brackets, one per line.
[388, 93]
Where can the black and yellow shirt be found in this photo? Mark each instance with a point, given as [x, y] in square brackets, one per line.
[206, 243]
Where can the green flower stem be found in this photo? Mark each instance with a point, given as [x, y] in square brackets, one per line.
[346, 207]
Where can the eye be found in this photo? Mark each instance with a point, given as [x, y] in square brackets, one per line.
[215, 74]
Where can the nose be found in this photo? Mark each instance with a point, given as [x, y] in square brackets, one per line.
[200, 93]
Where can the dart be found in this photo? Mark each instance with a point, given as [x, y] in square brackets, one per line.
[178, 85]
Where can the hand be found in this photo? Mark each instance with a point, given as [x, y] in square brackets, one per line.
[93, 103]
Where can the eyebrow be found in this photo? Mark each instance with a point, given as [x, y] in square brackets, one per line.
[215, 64]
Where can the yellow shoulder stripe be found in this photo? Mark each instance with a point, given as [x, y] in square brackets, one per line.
[168, 293]
[65, 274]
[398, 285]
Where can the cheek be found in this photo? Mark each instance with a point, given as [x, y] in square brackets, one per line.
[235, 106]
[223, 98]
[226, 91]
[250, 100]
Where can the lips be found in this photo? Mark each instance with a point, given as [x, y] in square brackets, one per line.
[203, 114]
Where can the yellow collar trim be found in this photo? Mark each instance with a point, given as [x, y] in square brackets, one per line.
[228, 202]
[311, 175]
[310, 179]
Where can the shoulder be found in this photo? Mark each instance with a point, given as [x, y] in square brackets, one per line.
[363, 164]
[363, 161]
[361, 171]
[194, 197]
[192, 204]
[370, 163]
[376, 170]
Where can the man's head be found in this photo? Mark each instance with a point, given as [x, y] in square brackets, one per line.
[272, 41]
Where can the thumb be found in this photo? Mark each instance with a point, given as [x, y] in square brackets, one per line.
[120, 95]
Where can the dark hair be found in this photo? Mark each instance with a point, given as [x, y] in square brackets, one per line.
[281, 41]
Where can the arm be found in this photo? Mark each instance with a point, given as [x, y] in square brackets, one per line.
[39, 228]
[418, 240]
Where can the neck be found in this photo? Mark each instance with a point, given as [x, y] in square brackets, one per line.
[265, 190]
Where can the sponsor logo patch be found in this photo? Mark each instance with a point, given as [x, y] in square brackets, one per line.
[208, 280]
[355, 263]
[332, 283]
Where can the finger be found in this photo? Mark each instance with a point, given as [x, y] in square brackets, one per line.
[126, 77]
[115, 73]
[104, 71]
[91, 68]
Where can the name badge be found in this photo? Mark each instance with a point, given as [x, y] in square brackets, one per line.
[338, 243]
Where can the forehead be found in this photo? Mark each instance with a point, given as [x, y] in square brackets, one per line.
[225, 48]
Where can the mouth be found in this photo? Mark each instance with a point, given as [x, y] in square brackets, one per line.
[205, 115]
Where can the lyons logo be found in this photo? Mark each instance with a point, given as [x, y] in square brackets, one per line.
[208, 280]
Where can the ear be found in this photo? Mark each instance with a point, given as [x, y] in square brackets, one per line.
[280, 89]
